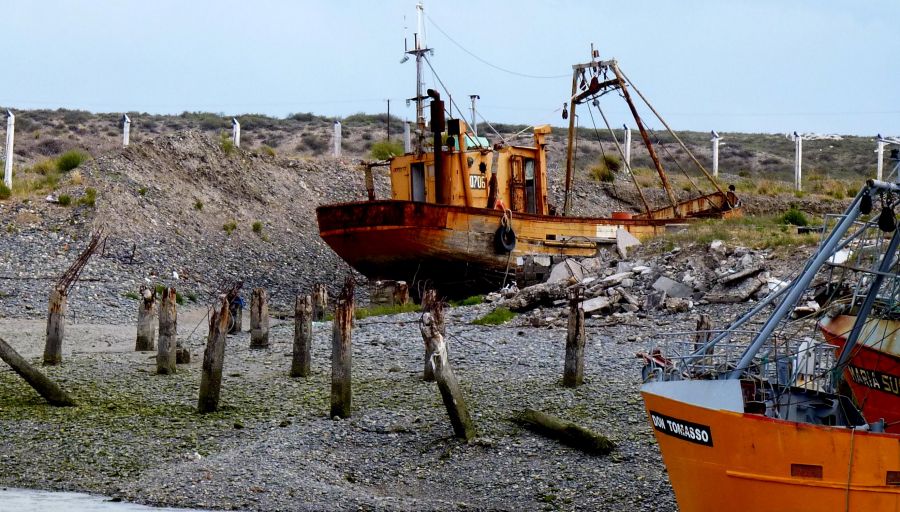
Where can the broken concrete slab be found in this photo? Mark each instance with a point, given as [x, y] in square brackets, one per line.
[564, 270]
[596, 304]
[624, 240]
[739, 293]
[673, 288]
[616, 279]
[739, 276]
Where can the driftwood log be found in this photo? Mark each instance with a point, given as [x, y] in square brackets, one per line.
[564, 431]
[341, 392]
[37, 380]
[303, 311]
[56, 316]
[213, 359]
[530, 297]
[463, 427]
[146, 320]
[168, 333]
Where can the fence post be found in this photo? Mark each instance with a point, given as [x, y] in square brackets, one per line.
[146, 325]
[10, 139]
[213, 359]
[236, 132]
[341, 362]
[259, 319]
[303, 309]
[336, 140]
[168, 333]
[126, 130]
[573, 374]
[55, 326]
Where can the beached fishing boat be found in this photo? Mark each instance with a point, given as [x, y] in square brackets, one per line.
[759, 417]
[467, 215]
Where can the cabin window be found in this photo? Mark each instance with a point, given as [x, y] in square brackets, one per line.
[417, 176]
[530, 205]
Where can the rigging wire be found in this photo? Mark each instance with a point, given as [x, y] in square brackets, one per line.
[479, 59]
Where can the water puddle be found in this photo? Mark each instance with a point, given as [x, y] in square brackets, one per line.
[29, 500]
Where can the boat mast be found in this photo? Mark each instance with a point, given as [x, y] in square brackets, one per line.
[419, 50]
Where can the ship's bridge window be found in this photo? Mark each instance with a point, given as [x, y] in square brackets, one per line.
[530, 206]
[417, 177]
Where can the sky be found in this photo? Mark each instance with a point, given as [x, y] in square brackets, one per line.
[770, 66]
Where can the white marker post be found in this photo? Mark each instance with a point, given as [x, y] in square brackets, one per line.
[715, 152]
[407, 144]
[627, 147]
[798, 161]
[10, 137]
[336, 152]
[879, 151]
[126, 130]
[235, 132]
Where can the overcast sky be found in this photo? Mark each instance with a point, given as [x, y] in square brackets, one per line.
[754, 66]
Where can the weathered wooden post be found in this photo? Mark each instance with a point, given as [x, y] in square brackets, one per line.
[401, 293]
[336, 140]
[10, 139]
[126, 130]
[446, 381]
[168, 333]
[341, 394]
[37, 380]
[320, 302]
[236, 309]
[573, 374]
[303, 309]
[55, 326]
[259, 319]
[236, 132]
[146, 320]
[213, 359]
[432, 305]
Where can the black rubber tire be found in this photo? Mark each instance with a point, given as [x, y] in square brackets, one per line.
[504, 240]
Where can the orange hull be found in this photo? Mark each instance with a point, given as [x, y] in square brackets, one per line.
[751, 462]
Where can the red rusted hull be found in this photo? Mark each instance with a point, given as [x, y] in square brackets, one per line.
[453, 246]
[874, 370]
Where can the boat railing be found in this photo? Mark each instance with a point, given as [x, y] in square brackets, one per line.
[800, 361]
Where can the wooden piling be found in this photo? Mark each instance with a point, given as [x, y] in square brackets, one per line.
[401, 293]
[573, 373]
[433, 305]
[55, 327]
[451, 394]
[303, 310]
[168, 333]
[341, 394]
[213, 359]
[320, 302]
[146, 320]
[259, 319]
[37, 380]
[237, 312]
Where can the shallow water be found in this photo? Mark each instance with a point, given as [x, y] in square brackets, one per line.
[28, 500]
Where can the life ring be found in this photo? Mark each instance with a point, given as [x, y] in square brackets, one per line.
[504, 240]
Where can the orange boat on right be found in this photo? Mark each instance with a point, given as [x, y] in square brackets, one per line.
[760, 418]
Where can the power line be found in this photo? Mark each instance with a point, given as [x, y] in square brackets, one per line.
[511, 72]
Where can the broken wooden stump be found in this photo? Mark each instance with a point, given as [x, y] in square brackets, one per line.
[303, 311]
[341, 394]
[182, 354]
[432, 304]
[55, 326]
[564, 431]
[573, 372]
[146, 320]
[320, 302]
[401, 293]
[214, 358]
[168, 333]
[259, 319]
[37, 380]
[463, 427]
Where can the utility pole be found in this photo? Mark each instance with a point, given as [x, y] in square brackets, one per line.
[474, 97]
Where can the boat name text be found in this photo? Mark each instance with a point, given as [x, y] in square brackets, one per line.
[875, 380]
[476, 181]
[686, 430]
